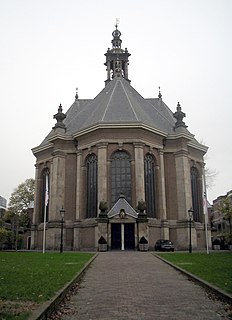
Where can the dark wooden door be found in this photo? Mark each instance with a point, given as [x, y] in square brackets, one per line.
[116, 236]
[129, 236]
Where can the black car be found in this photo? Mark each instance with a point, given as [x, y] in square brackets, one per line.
[164, 245]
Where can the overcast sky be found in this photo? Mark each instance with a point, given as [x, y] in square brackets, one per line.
[50, 47]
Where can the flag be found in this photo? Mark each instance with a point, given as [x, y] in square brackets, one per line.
[205, 206]
[46, 191]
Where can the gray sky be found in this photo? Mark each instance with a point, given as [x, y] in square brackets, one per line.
[50, 47]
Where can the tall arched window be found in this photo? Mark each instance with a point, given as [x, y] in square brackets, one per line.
[45, 194]
[149, 179]
[91, 164]
[120, 176]
[196, 195]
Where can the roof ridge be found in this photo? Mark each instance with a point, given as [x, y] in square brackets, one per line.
[129, 100]
[108, 102]
[160, 112]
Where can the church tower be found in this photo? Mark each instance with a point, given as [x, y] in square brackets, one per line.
[122, 169]
[116, 58]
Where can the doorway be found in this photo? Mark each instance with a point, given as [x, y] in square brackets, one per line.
[123, 241]
[129, 236]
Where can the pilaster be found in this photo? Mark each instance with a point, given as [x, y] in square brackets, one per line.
[139, 171]
[102, 172]
[57, 185]
[78, 184]
[163, 212]
[183, 183]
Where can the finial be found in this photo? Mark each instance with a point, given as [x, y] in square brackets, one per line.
[117, 23]
[160, 95]
[179, 115]
[60, 116]
[76, 96]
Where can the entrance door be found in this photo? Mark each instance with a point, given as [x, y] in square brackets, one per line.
[129, 236]
[116, 236]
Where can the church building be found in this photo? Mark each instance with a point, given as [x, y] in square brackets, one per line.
[124, 170]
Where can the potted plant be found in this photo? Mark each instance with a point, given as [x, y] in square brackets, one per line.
[142, 206]
[102, 244]
[216, 244]
[143, 244]
[103, 207]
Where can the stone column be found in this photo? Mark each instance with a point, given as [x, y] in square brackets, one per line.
[163, 213]
[108, 69]
[76, 231]
[183, 183]
[78, 184]
[102, 172]
[139, 172]
[57, 185]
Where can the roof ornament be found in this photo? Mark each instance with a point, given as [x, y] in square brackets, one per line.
[179, 115]
[160, 95]
[76, 95]
[60, 116]
[117, 23]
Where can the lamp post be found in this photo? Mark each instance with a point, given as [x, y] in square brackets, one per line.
[62, 212]
[190, 213]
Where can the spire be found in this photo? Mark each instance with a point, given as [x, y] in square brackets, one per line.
[60, 116]
[179, 115]
[116, 58]
[159, 95]
[76, 95]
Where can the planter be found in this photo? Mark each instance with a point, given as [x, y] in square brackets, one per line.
[143, 246]
[102, 247]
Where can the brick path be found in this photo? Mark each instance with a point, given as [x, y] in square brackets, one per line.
[139, 286]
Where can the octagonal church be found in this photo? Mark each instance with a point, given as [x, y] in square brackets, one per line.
[124, 168]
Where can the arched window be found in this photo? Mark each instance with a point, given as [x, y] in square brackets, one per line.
[120, 176]
[196, 198]
[45, 194]
[91, 164]
[149, 180]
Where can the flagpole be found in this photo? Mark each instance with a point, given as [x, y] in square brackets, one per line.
[205, 208]
[45, 211]
[44, 228]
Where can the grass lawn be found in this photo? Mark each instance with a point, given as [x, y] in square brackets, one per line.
[30, 278]
[215, 267]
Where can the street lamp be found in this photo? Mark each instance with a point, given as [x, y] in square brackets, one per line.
[62, 212]
[190, 213]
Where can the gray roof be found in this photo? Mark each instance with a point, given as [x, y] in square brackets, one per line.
[119, 103]
[122, 204]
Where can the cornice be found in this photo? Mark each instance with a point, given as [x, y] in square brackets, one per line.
[42, 148]
[119, 126]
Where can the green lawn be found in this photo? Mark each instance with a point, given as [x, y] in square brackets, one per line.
[215, 268]
[30, 278]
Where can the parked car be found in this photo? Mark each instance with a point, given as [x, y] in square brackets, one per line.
[164, 245]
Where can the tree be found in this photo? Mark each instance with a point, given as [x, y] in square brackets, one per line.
[225, 208]
[19, 204]
[210, 176]
[22, 196]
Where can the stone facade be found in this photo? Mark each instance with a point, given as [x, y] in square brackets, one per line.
[78, 183]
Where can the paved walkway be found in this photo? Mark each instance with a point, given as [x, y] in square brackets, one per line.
[139, 286]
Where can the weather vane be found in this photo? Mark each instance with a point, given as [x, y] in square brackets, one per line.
[117, 22]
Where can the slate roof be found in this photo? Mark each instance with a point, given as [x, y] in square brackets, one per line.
[119, 103]
[122, 204]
